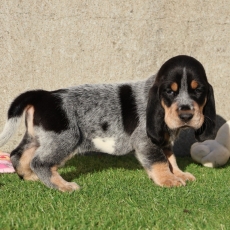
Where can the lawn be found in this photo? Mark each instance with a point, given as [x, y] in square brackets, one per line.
[117, 194]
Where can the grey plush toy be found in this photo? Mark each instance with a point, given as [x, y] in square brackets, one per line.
[213, 153]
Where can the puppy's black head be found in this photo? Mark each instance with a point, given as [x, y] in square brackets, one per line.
[180, 97]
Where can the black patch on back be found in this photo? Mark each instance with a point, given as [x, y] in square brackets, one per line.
[49, 112]
[129, 113]
[48, 109]
[105, 126]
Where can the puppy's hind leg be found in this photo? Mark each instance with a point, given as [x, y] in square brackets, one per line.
[46, 169]
[22, 156]
[52, 152]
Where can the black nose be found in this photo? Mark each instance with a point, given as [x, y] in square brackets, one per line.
[185, 117]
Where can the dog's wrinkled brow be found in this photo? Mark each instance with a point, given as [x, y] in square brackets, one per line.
[183, 97]
[184, 86]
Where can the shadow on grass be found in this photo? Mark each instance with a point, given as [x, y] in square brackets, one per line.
[96, 162]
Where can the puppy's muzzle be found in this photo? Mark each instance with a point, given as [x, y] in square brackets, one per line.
[185, 113]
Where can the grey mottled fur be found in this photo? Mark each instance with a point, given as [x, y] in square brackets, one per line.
[104, 101]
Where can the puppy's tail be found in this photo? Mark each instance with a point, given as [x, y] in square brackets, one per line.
[15, 113]
[9, 129]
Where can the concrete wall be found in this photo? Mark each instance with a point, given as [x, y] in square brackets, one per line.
[53, 44]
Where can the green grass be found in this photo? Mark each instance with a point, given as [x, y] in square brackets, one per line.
[117, 194]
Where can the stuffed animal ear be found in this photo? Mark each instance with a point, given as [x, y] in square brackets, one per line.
[209, 111]
[155, 117]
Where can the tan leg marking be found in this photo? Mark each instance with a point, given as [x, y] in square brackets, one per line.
[23, 168]
[160, 173]
[62, 185]
[175, 169]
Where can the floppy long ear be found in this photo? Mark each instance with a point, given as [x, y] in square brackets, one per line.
[208, 128]
[155, 117]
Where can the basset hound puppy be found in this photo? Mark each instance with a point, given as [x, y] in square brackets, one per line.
[145, 116]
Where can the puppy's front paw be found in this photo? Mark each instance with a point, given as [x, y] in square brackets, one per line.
[169, 181]
[69, 187]
[165, 178]
[185, 176]
[162, 176]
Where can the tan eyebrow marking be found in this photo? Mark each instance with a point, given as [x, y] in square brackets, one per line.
[194, 84]
[174, 86]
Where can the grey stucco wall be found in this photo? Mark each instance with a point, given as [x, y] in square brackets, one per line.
[54, 44]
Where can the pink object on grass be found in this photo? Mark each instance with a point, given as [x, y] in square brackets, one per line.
[5, 163]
